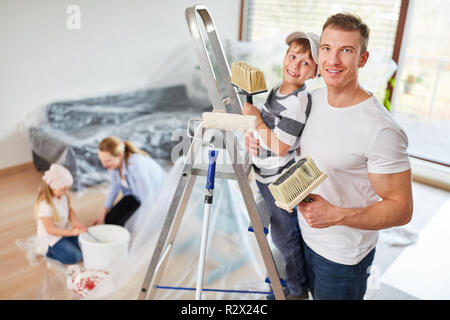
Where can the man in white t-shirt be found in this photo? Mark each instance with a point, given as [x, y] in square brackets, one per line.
[352, 138]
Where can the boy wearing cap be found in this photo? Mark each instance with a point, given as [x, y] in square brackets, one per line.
[278, 130]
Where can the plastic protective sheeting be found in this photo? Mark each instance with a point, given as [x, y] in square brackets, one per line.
[233, 260]
[399, 236]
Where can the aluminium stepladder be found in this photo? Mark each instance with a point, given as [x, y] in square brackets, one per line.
[239, 169]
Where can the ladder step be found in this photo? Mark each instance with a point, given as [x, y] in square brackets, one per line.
[283, 282]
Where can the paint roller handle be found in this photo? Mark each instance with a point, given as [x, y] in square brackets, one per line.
[211, 169]
[249, 98]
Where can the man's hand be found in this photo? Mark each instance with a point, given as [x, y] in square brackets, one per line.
[395, 208]
[319, 213]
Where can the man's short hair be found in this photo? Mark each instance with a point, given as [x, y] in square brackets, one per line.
[349, 22]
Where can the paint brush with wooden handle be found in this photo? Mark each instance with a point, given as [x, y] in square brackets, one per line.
[296, 183]
[248, 79]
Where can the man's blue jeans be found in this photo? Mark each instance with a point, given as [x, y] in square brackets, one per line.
[66, 250]
[286, 236]
[329, 280]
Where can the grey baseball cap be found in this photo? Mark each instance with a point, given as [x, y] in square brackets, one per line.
[314, 42]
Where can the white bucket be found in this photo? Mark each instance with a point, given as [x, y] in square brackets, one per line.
[113, 246]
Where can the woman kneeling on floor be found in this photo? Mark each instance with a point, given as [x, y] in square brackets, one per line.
[133, 172]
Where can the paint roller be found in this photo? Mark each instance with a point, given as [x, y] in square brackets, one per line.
[228, 121]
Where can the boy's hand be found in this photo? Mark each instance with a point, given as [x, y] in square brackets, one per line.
[251, 143]
[251, 110]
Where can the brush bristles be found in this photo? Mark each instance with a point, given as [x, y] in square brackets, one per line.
[294, 181]
[247, 77]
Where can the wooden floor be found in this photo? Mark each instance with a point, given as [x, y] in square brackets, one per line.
[18, 191]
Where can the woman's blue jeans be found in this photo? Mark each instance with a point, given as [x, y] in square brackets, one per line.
[66, 250]
[329, 280]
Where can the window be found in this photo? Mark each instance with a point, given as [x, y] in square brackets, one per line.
[421, 97]
[265, 18]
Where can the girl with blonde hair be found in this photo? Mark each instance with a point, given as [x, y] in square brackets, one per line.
[54, 214]
[133, 172]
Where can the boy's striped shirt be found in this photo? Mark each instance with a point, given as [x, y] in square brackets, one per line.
[285, 115]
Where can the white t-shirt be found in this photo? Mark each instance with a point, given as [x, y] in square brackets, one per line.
[347, 144]
[45, 239]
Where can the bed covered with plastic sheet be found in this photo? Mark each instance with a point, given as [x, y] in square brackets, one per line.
[68, 132]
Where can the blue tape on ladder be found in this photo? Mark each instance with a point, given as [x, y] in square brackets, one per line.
[211, 169]
[283, 282]
[266, 231]
[213, 290]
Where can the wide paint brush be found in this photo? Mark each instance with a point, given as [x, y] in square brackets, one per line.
[248, 79]
[296, 183]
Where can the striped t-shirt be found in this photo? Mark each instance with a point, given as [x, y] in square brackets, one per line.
[285, 115]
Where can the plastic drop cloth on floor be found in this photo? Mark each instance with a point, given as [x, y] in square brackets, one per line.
[398, 236]
[233, 260]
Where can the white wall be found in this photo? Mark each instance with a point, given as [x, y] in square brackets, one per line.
[122, 45]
